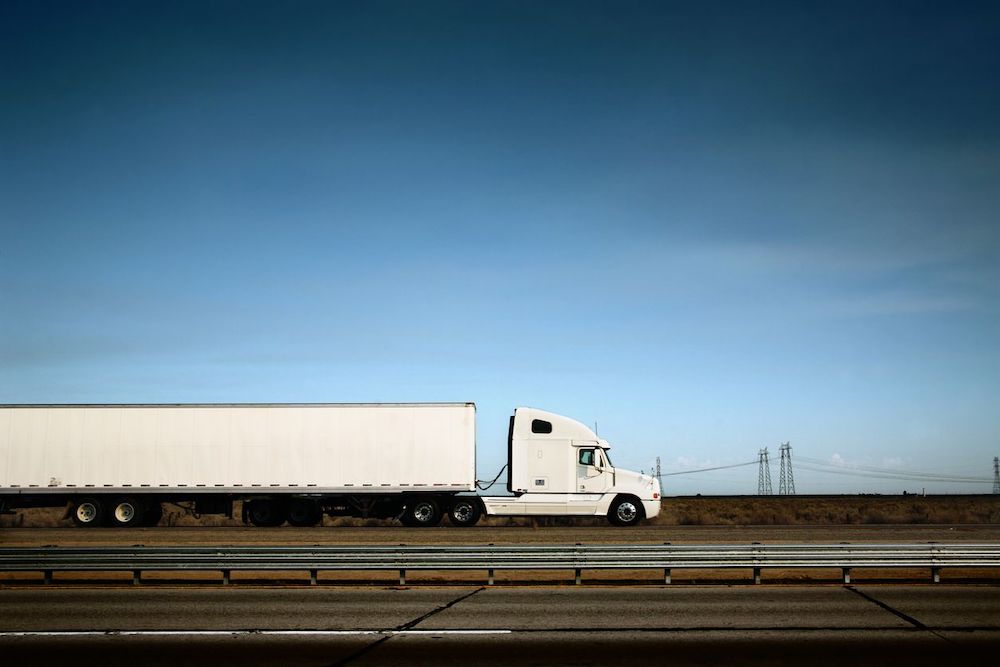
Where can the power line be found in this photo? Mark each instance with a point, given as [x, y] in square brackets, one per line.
[786, 482]
[688, 472]
[833, 470]
[839, 470]
[871, 468]
[897, 472]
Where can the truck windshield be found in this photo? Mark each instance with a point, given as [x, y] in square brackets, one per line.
[607, 457]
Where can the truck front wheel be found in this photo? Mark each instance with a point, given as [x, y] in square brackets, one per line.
[625, 511]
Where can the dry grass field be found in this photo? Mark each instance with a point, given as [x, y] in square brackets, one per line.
[683, 511]
[830, 510]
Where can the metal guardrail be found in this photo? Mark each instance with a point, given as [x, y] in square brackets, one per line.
[490, 558]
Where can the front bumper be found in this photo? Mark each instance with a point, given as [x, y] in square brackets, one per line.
[651, 507]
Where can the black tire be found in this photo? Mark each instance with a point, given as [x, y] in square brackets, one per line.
[464, 512]
[266, 513]
[626, 511]
[87, 513]
[154, 512]
[422, 512]
[126, 512]
[303, 512]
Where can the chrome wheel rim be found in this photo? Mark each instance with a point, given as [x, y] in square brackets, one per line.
[124, 512]
[627, 512]
[86, 512]
[463, 512]
[423, 512]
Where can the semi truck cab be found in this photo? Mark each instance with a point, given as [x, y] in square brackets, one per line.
[559, 466]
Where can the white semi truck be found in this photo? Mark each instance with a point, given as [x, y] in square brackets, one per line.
[415, 462]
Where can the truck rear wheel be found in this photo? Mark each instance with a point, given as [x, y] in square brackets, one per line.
[464, 512]
[126, 512]
[422, 512]
[625, 511]
[87, 512]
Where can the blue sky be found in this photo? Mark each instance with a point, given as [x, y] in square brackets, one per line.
[709, 229]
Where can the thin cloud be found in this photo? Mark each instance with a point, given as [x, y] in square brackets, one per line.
[896, 304]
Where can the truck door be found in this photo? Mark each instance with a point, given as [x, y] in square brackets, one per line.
[593, 474]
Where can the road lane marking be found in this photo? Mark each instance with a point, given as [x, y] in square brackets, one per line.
[223, 633]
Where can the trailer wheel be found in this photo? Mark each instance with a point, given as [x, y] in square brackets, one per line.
[422, 512]
[626, 511]
[152, 515]
[87, 512]
[266, 513]
[126, 512]
[464, 512]
[303, 512]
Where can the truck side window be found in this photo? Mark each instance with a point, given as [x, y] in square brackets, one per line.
[541, 426]
[587, 457]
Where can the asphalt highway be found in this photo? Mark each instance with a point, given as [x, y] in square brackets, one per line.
[751, 625]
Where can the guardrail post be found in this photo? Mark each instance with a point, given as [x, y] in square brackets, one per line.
[402, 577]
[47, 576]
[936, 574]
[489, 572]
[579, 574]
[847, 575]
[666, 575]
[312, 577]
[756, 558]
[136, 577]
[225, 577]
[756, 575]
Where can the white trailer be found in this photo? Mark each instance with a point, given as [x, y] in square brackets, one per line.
[118, 464]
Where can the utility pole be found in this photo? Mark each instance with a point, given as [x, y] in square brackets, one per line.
[763, 474]
[996, 474]
[659, 477]
[786, 480]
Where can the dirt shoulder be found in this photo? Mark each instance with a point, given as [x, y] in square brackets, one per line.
[648, 534]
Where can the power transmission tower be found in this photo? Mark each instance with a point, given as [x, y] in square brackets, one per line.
[786, 480]
[659, 477]
[763, 474]
[996, 474]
